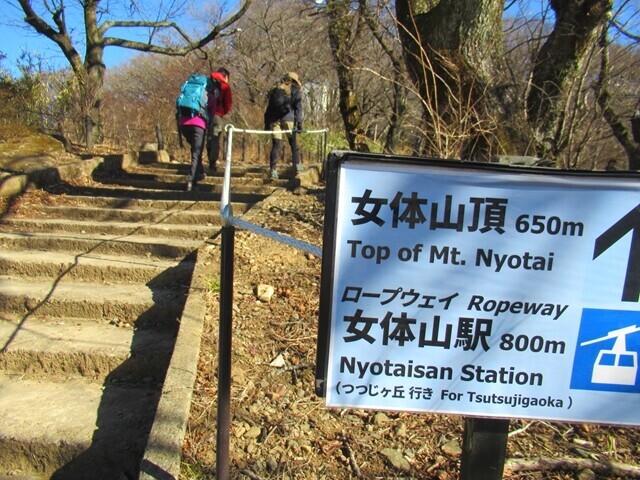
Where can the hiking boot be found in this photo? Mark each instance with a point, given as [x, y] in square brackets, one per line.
[274, 175]
[201, 177]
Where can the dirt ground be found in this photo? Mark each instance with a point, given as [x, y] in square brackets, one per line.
[281, 430]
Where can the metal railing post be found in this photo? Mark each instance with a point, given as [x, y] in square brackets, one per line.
[226, 304]
[159, 137]
[225, 322]
[244, 148]
[224, 353]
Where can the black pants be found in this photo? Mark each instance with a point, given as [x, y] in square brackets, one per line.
[275, 149]
[213, 149]
[214, 135]
[195, 137]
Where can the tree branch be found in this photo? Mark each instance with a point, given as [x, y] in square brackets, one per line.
[625, 32]
[61, 38]
[191, 45]
[366, 13]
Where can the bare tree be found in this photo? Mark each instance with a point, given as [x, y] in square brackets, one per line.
[140, 96]
[613, 119]
[581, 137]
[455, 53]
[279, 37]
[463, 116]
[344, 27]
[399, 95]
[453, 50]
[97, 23]
[557, 65]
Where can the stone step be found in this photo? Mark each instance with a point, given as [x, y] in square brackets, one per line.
[149, 204]
[187, 232]
[110, 244]
[167, 176]
[136, 203]
[180, 185]
[102, 303]
[96, 268]
[184, 170]
[237, 170]
[37, 346]
[125, 193]
[156, 216]
[136, 305]
[73, 429]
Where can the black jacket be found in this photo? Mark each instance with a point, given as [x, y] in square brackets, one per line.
[294, 115]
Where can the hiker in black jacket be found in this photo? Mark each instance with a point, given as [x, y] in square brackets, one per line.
[284, 112]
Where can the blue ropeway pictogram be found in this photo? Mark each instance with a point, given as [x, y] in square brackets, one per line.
[607, 351]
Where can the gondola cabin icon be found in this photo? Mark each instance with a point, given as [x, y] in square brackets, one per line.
[617, 366]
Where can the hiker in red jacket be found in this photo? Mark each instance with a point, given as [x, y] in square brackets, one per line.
[223, 106]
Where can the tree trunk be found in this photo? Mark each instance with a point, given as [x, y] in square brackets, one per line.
[629, 141]
[341, 36]
[399, 78]
[399, 107]
[95, 68]
[453, 49]
[556, 65]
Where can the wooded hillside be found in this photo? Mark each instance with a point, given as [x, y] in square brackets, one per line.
[454, 79]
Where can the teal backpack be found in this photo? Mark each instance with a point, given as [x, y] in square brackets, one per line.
[194, 96]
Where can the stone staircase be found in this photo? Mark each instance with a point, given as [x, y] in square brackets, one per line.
[97, 285]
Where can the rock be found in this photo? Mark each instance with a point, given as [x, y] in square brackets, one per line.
[452, 447]
[278, 392]
[272, 464]
[239, 431]
[380, 418]
[401, 430]
[253, 432]
[265, 292]
[278, 362]
[163, 156]
[586, 474]
[237, 375]
[395, 458]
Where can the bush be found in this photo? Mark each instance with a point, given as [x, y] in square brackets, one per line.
[12, 124]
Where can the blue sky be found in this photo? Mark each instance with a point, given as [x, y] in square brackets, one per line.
[13, 41]
[16, 36]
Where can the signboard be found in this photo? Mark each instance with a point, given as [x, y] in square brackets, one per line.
[480, 290]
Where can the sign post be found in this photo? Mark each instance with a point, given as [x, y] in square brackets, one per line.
[480, 290]
[484, 447]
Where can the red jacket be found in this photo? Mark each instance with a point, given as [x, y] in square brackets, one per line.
[224, 101]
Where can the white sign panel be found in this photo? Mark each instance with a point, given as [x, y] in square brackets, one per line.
[484, 292]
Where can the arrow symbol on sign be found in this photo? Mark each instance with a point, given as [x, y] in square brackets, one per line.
[629, 223]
